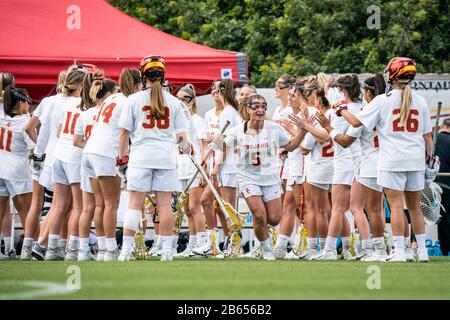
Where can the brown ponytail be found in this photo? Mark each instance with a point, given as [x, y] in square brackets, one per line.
[86, 101]
[227, 90]
[156, 99]
[100, 88]
[129, 78]
[350, 84]
[73, 81]
[62, 76]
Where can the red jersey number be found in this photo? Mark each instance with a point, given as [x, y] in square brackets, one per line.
[412, 122]
[150, 122]
[5, 134]
[71, 122]
[88, 131]
[376, 144]
[105, 112]
[328, 150]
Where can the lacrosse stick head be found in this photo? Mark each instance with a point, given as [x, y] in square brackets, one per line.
[301, 240]
[273, 234]
[430, 203]
[140, 251]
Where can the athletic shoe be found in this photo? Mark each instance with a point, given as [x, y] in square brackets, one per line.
[326, 255]
[3, 256]
[111, 255]
[346, 255]
[377, 255]
[71, 255]
[38, 252]
[125, 255]
[155, 251]
[205, 250]
[410, 255]
[422, 255]
[269, 256]
[308, 254]
[85, 255]
[256, 253]
[54, 254]
[166, 255]
[364, 253]
[291, 256]
[396, 257]
[26, 253]
[279, 253]
[100, 255]
[185, 254]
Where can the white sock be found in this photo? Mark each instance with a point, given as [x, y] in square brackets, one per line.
[330, 244]
[166, 242]
[111, 244]
[407, 241]
[101, 243]
[399, 244]
[84, 244]
[27, 242]
[312, 243]
[322, 243]
[420, 238]
[62, 243]
[53, 241]
[282, 241]
[192, 240]
[7, 244]
[367, 244]
[174, 242]
[158, 241]
[379, 243]
[201, 238]
[345, 243]
[266, 245]
[127, 243]
[74, 242]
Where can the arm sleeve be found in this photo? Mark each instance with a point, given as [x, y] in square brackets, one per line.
[370, 114]
[308, 141]
[283, 138]
[355, 132]
[42, 140]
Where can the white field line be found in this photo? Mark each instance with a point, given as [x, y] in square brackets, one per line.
[44, 288]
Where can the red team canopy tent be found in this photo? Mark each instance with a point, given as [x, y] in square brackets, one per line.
[40, 38]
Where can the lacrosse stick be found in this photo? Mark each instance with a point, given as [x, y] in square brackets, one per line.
[301, 243]
[140, 249]
[12, 248]
[430, 197]
[237, 220]
[184, 195]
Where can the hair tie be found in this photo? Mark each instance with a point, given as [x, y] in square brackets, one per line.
[98, 78]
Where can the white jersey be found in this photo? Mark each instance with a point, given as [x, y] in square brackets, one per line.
[355, 147]
[369, 146]
[44, 131]
[14, 148]
[65, 150]
[153, 141]
[402, 147]
[104, 139]
[86, 121]
[343, 157]
[45, 104]
[2, 111]
[257, 154]
[50, 118]
[186, 168]
[279, 114]
[211, 130]
[320, 167]
[229, 114]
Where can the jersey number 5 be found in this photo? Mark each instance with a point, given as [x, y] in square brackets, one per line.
[412, 122]
[149, 122]
[256, 159]
[8, 133]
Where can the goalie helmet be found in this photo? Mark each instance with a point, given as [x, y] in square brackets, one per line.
[400, 67]
[430, 203]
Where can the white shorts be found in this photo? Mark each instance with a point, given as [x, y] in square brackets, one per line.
[95, 165]
[402, 180]
[194, 184]
[45, 179]
[324, 186]
[85, 182]
[35, 177]
[295, 180]
[285, 174]
[227, 180]
[146, 179]
[66, 173]
[14, 188]
[267, 192]
[370, 183]
[343, 177]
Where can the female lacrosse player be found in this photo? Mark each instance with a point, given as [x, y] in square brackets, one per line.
[211, 131]
[101, 89]
[197, 229]
[37, 162]
[99, 156]
[156, 122]
[258, 141]
[403, 123]
[368, 171]
[15, 178]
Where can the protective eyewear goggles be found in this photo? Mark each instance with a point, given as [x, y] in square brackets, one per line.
[186, 99]
[257, 105]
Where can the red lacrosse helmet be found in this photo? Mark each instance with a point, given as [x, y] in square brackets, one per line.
[85, 67]
[152, 63]
[400, 67]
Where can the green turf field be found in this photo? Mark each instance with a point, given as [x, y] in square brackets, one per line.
[224, 279]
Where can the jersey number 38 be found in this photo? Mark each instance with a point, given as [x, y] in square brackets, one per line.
[150, 122]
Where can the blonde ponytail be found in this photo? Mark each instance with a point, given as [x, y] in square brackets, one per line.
[156, 100]
[405, 87]
[96, 87]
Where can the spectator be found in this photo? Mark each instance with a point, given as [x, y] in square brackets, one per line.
[443, 151]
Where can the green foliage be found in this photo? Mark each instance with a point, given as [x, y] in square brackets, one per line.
[307, 36]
